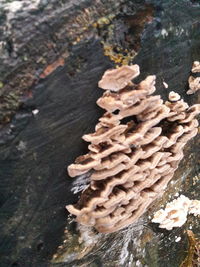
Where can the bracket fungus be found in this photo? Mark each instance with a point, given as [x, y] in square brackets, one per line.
[130, 162]
[117, 79]
[194, 82]
[196, 66]
[176, 212]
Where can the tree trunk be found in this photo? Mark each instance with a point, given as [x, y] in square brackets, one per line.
[52, 55]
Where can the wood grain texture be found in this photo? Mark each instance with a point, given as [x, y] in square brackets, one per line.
[35, 150]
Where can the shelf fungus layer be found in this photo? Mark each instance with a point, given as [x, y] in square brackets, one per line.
[194, 82]
[133, 153]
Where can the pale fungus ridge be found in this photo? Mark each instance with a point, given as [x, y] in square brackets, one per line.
[196, 66]
[130, 162]
[176, 212]
[194, 82]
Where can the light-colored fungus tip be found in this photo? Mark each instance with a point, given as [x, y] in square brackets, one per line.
[196, 66]
[194, 85]
[165, 85]
[117, 79]
[130, 163]
[174, 96]
[194, 207]
[175, 213]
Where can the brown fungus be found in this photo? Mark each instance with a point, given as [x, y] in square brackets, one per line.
[194, 84]
[131, 164]
[196, 66]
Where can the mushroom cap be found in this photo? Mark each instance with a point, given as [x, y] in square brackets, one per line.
[174, 96]
[194, 84]
[117, 79]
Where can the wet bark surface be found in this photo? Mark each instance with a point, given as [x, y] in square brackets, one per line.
[52, 56]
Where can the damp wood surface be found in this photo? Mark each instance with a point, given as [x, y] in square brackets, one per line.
[52, 55]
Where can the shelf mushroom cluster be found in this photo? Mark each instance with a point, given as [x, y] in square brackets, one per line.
[176, 212]
[134, 151]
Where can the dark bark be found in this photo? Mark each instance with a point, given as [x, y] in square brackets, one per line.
[52, 56]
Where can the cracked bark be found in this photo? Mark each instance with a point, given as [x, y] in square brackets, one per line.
[51, 57]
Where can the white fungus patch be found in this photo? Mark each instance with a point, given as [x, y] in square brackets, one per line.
[164, 33]
[194, 207]
[35, 111]
[81, 183]
[177, 239]
[176, 211]
[165, 85]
